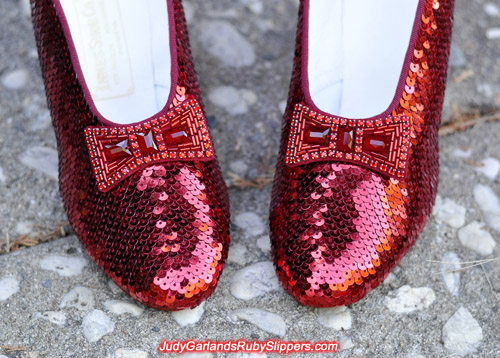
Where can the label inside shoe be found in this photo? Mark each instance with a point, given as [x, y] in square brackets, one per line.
[101, 46]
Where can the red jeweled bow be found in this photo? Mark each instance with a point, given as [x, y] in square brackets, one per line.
[117, 152]
[381, 145]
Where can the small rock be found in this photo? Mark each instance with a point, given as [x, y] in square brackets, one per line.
[189, 11]
[337, 318]
[493, 33]
[451, 262]
[114, 287]
[8, 286]
[264, 244]
[96, 325]
[239, 167]
[129, 353]
[462, 334]
[489, 167]
[345, 343]
[64, 265]
[223, 41]
[408, 299]
[265, 320]
[489, 203]
[123, 307]
[80, 298]
[3, 178]
[255, 6]
[251, 223]
[491, 9]
[457, 57]
[254, 280]
[475, 238]
[189, 316]
[234, 101]
[238, 254]
[24, 228]
[391, 280]
[448, 212]
[42, 159]
[462, 153]
[25, 7]
[15, 80]
[47, 283]
[58, 318]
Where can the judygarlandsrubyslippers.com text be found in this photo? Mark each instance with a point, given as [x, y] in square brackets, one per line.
[244, 346]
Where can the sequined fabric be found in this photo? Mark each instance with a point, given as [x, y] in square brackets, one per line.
[161, 234]
[338, 228]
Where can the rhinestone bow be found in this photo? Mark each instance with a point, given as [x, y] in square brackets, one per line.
[118, 152]
[381, 145]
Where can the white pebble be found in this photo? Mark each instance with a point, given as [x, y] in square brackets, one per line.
[490, 167]
[254, 280]
[345, 343]
[8, 286]
[24, 228]
[238, 254]
[451, 262]
[462, 153]
[264, 244]
[129, 353]
[408, 299]
[80, 298]
[96, 325]
[265, 320]
[15, 80]
[491, 9]
[337, 318]
[43, 159]
[462, 334]
[223, 41]
[234, 101]
[476, 239]
[189, 316]
[115, 289]
[391, 280]
[493, 33]
[449, 212]
[251, 223]
[239, 167]
[123, 307]
[489, 203]
[58, 318]
[189, 11]
[64, 265]
[3, 178]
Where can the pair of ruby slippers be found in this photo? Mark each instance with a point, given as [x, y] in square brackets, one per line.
[357, 171]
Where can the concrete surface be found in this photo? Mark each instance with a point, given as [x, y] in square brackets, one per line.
[393, 321]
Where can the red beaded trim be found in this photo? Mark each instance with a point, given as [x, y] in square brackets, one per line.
[378, 144]
[117, 152]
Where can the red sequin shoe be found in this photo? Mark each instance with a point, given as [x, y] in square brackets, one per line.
[358, 168]
[138, 174]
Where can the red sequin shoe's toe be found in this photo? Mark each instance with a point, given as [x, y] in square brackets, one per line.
[339, 236]
[166, 248]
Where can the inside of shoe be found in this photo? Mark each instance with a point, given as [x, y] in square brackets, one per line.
[124, 52]
[357, 49]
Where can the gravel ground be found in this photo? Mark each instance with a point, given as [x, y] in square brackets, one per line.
[54, 302]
